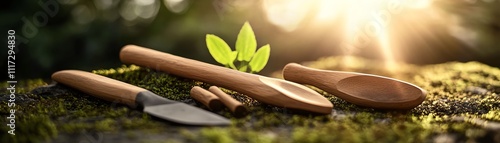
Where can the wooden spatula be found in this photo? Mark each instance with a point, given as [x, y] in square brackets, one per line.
[268, 90]
[360, 89]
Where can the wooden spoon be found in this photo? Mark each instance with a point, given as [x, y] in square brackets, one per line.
[360, 89]
[268, 90]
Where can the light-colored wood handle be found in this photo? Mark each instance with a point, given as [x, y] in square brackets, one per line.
[245, 83]
[99, 86]
[305, 75]
[206, 98]
[236, 107]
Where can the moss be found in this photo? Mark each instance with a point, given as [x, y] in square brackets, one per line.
[256, 137]
[232, 134]
[106, 125]
[31, 128]
[359, 128]
[71, 111]
[462, 102]
[188, 135]
[493, 115]
[75, 127]
[216, 135]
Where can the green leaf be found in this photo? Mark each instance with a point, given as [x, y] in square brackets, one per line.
[260, 58]
[234, 54]
[243, 68]
[219, 49]
[246, 43]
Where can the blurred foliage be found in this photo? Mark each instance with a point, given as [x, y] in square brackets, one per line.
[83, 35]
[89, 34]
[479, 19]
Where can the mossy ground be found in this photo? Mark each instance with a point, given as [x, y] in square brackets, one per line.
[462, 104]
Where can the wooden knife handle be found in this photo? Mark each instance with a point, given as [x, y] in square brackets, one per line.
[206, 98]
[99, 86]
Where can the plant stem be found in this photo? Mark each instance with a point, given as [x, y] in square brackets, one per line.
[243, 66]
[232, 66]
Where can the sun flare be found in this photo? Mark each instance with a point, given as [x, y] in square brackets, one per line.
[364, 22]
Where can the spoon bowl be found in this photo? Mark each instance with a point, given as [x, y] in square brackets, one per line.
[361, 89]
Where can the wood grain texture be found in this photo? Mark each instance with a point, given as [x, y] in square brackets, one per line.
[245, 83]
[207, 98]
[99, 86]
[360, 89]
[236, 107]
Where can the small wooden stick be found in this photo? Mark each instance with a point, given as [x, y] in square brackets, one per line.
[207, 98]
[236, 107]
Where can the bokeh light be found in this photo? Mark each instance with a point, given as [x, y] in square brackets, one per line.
[139, 11]
[176, 6]
[287, 14]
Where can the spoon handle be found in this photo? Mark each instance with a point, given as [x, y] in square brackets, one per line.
[187, 68]
[305, 75]
[297, 73]
[245, 83]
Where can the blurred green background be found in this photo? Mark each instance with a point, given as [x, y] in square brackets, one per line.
[76, 34]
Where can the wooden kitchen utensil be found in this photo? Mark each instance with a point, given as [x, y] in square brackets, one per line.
[268, 90]
[360, 89]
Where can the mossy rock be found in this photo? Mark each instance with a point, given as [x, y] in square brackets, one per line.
[462, 104]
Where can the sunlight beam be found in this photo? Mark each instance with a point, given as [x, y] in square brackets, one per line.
[329, 9]
[387, 52]
[366, 23]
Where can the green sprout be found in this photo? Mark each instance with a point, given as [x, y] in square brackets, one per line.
[245, 53]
